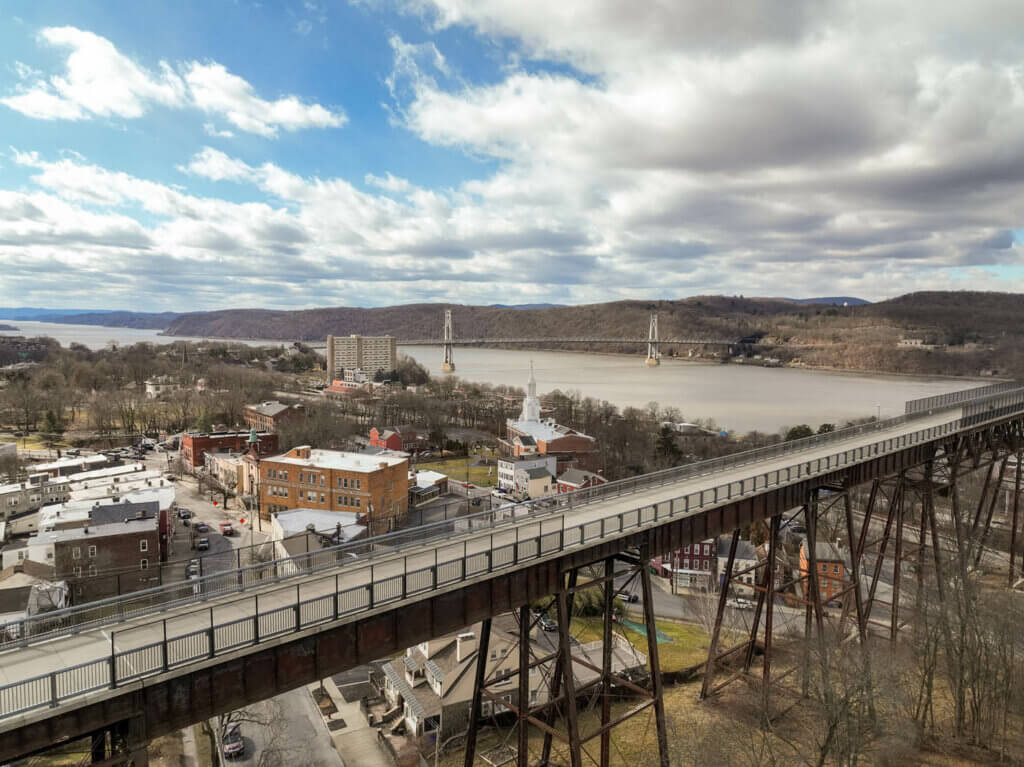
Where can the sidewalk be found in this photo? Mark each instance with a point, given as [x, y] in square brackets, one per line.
[356, 742]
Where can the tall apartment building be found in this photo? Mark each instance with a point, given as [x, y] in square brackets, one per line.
[368, 353]
[374, 486]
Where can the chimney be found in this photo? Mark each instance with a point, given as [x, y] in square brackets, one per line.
[465, 645]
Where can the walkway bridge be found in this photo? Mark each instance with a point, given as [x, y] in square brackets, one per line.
[159, 660]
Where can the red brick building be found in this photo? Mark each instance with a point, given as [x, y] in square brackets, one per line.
[268, 416]
[577, 479]
[831, 568]
[195, 445]
[374, 486]
[402, 438]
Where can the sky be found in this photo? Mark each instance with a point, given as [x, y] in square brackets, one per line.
[210, 154]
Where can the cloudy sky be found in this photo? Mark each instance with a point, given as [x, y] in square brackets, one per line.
[214, 154]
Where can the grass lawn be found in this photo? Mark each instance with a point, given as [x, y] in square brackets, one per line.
[456, 469]
[688, 645]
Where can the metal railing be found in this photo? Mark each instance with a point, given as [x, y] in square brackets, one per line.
[161, 646]
[149, 601]
[952, 399]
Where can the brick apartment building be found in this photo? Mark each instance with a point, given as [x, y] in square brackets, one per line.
[376, 487]
[268, 416]
[195, 445]
[128, 540]
[831, 568]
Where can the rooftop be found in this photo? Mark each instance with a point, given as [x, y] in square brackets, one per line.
[116, 513]
[66, 463]
[545, 430]
[271, 408]
[339, 459]
[296, 520]
[538, 472]
[90, 533]
[429, 478]
[578, 477]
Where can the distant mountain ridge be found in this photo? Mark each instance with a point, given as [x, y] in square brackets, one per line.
[111, 318]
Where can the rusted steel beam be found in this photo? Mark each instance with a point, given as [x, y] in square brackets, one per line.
[709, 670]
[991, 510]
[1013, 527]
[568, 682]
[652, 661]
[606, 663]
[478, 690]
[523, 701]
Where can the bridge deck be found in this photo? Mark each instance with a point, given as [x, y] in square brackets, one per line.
[68, 669]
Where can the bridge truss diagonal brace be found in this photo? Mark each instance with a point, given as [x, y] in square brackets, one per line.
[557, 713]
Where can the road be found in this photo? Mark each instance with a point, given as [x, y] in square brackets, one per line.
[284, 731]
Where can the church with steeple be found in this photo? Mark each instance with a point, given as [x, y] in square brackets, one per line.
[532, 435]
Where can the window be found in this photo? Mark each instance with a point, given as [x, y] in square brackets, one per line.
[707, 565]
[339, 482]
[284, 475]
[321, 497]
[321, 480]
[357, 503]
[339, 501]
[359, 483]
[835, 569]
[78, 572]
[143, 564]
[345, 482]
[143, 545]
[92, 551]
[310, 495]
[76, 553]
[707, 549]
[92, 571]
[686, 563]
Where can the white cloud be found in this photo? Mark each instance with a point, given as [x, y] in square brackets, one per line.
[215, 90]
[100, 81]
[212, 130]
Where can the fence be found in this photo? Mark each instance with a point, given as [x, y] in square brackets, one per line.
[361, 587]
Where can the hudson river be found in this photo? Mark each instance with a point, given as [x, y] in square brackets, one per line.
[737, 397]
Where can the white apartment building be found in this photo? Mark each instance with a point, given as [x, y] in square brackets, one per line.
[368, 353]
[507, 468]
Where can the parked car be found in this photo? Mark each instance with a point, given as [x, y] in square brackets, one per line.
[170, 477]
[202, 527]
[226, 528]
[628, 596]
[203, 544]
[192, 568]
[738, 603]
[184, 513]
[72, 452]
[233, 745]
[547, 624]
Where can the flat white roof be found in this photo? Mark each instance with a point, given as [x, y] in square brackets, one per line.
[108, 471]
[429, 478]
[340, 459]
[295, 520]
[64, 463]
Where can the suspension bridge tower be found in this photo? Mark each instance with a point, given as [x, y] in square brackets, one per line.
[448, 366]
[653, 355]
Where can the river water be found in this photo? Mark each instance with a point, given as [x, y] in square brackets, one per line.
[737, 397]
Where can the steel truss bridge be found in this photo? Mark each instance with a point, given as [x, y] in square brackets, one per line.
[155, 661]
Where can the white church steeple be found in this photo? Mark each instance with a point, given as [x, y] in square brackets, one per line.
[531, 405]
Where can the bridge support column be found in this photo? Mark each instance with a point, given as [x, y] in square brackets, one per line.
[653, 354]
[448, 365]
[1013, 525]
[549, 687]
